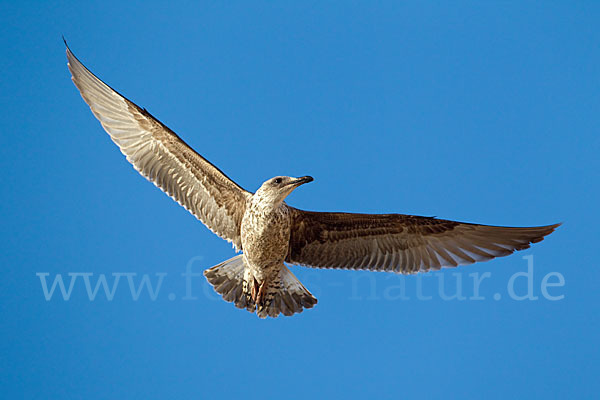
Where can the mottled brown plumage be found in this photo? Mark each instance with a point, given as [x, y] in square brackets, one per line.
[163, 158]
[399, 243]
[269, 232]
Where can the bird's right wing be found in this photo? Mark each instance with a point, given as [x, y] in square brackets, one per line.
[163, 158]
[399, 243]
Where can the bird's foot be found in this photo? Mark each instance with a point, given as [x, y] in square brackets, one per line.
[257, 292]
[261, 293]
[254, 289]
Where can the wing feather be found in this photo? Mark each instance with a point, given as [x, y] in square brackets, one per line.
[164, 158]
[400, 243]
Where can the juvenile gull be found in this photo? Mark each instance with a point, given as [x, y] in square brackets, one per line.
[270, 233]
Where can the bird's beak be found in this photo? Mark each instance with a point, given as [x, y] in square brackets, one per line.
[300, 181]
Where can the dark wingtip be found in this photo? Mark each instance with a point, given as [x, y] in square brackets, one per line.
[66, 45]
[553, 227]
[549, 230]
[70, 56]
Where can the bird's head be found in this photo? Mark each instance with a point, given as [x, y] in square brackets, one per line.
[275, 190]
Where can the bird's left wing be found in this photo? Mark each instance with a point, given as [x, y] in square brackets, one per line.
[399, 243]
[163, 158]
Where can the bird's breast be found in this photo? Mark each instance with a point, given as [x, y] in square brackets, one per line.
[265, 236]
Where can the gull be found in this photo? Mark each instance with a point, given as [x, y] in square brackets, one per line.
[268, 232]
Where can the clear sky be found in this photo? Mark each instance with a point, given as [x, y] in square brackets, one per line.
[476, 111]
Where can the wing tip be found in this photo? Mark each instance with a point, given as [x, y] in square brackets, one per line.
[552, 228]
[68, 49]
[545, 231]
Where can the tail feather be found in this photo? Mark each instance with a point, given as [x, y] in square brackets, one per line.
[285, 294]
[229, 280]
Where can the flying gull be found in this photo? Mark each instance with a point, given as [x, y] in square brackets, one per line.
[268, 232]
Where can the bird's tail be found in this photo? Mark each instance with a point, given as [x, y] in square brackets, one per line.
[284, 295]
[229, 279]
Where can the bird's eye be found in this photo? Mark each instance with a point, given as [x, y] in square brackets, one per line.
[277, 180]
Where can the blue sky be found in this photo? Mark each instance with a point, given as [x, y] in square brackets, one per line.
[475, 111]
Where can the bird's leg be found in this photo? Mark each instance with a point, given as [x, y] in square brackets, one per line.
[261, 293]
[254, 290]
